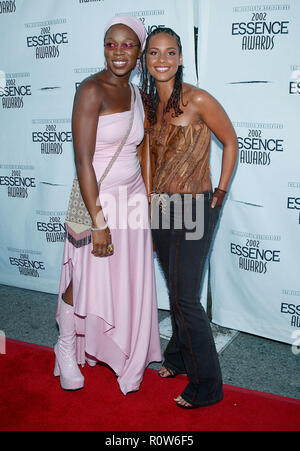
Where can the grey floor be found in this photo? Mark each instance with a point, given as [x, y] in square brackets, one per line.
[248, 361]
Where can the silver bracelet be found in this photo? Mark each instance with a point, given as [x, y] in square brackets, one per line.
[94, 229]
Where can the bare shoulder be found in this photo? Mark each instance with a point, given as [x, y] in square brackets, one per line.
[200, 101]
[90, 92]
[197, 96]
[90, 86]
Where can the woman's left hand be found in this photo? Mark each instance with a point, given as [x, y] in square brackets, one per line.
[218, 197]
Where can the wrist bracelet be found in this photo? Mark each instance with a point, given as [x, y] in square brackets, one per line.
[219, 189]
[94, 229]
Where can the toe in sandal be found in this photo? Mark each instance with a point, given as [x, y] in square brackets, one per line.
[172, 373]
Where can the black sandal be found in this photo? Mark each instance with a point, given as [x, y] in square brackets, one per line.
[196, 406]
[191, 405]
[172, 373]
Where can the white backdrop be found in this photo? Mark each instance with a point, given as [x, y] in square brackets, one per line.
[50, 47]
[247, 60]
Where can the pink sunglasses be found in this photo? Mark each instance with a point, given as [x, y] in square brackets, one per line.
[124, 45]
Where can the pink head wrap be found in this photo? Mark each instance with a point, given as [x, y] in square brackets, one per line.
[135, 24]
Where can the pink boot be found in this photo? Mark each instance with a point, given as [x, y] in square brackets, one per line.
[65, 351]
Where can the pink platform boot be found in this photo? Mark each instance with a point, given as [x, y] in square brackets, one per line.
[65, 351]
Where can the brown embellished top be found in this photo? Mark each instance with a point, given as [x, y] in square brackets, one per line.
[180, 158]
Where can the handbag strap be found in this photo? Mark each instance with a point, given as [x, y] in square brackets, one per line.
[123, 140]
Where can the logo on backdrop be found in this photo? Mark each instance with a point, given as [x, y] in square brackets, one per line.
[15, 91]
[16, 181]
[261, 26]
[48, 40]
[8, 6]
[254, 253]
[143, 16]
[294, 84]
[26, 262]
[90, 1]
[51, 135]
[51, 225]
[86, 71]
[293, 201]
[290, 306]
[259, 143]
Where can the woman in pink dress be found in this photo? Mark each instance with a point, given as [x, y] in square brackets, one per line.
[107, 309]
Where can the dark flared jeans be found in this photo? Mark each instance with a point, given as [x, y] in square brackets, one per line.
[191, 349]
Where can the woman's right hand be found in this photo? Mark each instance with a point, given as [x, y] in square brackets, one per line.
[101, 240]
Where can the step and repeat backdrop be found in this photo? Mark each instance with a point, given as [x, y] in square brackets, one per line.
[247, 57]
[47, 48]
[249, 60]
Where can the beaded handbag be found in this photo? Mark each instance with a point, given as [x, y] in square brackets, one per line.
[78, 219]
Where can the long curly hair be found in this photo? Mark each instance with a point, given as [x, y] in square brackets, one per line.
[148, 87]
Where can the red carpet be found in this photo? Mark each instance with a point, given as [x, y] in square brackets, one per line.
[31, 399]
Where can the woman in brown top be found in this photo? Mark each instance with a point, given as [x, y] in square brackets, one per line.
[176, 172]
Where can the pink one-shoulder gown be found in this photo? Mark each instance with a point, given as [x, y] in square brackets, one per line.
[114, 297]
